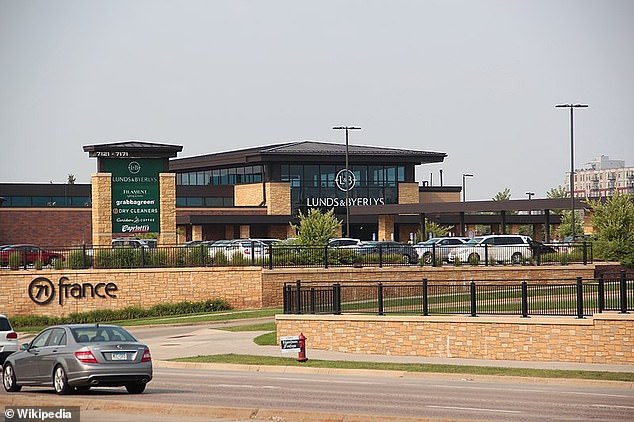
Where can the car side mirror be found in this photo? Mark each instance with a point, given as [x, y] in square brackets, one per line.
[25, 346]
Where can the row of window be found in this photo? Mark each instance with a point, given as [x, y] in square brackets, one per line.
[194, 201]
[323, 175]
[46, 201]
[230, 176]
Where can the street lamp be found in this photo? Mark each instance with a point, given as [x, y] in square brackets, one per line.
[464, 194]
[530, 195]
[347, 175]
[572, 161]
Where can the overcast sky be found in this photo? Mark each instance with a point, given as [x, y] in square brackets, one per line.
[477, 80]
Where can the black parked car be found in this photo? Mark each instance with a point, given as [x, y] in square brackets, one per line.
[391, 251]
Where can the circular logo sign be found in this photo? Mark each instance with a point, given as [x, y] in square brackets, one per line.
[134, 167]
[41, 290]
[345, 180]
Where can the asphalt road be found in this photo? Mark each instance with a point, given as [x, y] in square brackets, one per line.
[182, 393]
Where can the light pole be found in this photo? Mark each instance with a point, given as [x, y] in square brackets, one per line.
[464, 194]
[530, 195]
[572, 161]
[347, 173]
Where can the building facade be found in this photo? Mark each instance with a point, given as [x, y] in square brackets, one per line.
[602, 178]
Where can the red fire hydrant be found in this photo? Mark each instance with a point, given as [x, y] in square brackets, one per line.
[301, 357]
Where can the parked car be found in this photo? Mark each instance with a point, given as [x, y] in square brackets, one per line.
[78, 357]
[345, 242]
[8, 339]
[29, 254]
[404, 253]
[240, 247]
[499, 248]
[129, 242]
[440, 246]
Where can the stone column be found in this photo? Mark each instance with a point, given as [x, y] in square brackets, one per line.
[386, 227]
[167, 192]
[101, 192]
[197, 232]
[245, 231]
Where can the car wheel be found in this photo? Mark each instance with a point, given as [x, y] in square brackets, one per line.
[135, 388]
[9, 381]
[60, 382]
[407, 259]
[516, 258]
[427, 257]
[474, 258]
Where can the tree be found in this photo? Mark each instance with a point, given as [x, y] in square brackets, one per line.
[565, 228]
[504, 195]
[435, 230]
[316, 228]
[613, 224]
[557, 193]
[71, 179]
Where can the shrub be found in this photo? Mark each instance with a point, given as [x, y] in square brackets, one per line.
[76, 260]
[15, 258]
[130, 312]
[38, 264]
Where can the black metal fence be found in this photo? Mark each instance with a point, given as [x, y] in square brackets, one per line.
[289, 256]
[577, 297]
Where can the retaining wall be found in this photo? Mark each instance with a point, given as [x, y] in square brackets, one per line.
[603, 338]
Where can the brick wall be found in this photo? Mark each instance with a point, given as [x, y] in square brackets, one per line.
[53, 227]
[278, 198]
[240, 286]
[604, 338]
[249, 195]
[408, 193]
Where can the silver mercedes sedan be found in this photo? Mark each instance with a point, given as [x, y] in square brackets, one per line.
[77, 357]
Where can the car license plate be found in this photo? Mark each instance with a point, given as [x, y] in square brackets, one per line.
[119, 356]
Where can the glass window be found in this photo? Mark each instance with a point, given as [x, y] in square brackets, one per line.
[181, 201]
[184, 179]
[375, 175]
[215, 176]
[179, 178]
[41, 339]
[224, 177]
[228, 202]
[401, 173]
[327, 175]
[213, 202]
[390, 176]
[200, 178]
[311, 175]
[39, 201]
[194, 202]
[208, 177]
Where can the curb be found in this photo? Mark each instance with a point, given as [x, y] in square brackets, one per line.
[163, 364]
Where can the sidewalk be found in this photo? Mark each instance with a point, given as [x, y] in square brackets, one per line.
[209, 340]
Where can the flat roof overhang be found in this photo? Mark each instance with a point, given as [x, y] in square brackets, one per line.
[234, 219]
[470, 207]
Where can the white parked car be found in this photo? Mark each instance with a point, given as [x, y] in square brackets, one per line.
[8, 339]
[497, 247]
[240, 247]
[345, 242]
[440, 246]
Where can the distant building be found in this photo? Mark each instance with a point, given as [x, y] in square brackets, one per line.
[601, 178]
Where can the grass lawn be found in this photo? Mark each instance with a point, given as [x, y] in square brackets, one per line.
[412, 367]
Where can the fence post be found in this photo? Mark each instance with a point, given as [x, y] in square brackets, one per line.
[601, 294]
[83, 256]
[623, 295]
[336, 299]
[298, 297]
[326, 257]
[380, 295]
[486, 255]
[270, 256]
[313, 308]
[285, 298]
[579, 297]
[425, 298]
[380, 258]
[538, 251]
[142, 257]
[585, 253]
[252, 253]
[433, 255]
[472, 291]
[524, 299]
